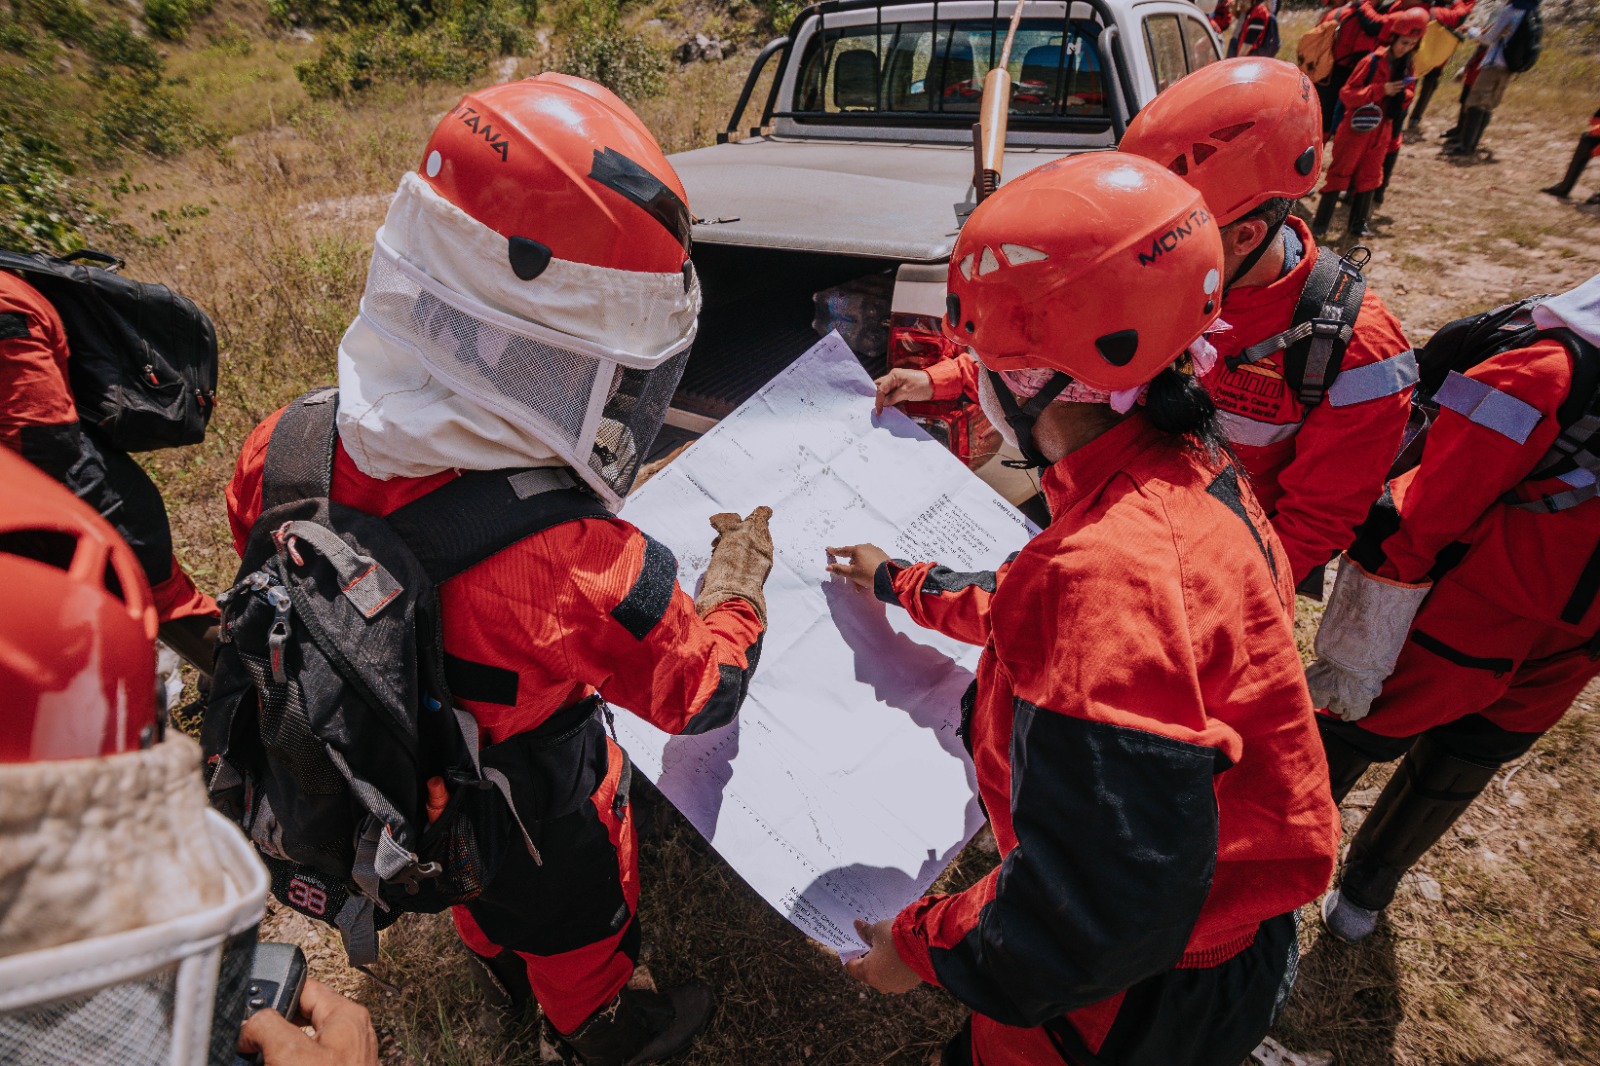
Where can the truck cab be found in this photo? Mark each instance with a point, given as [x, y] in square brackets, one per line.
[839, 205]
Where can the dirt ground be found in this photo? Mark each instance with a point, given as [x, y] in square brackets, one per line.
[1490, 955]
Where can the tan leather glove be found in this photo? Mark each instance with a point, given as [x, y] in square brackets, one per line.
[741, 559]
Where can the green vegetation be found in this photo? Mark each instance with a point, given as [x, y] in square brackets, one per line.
[172, 19]
[599, 48]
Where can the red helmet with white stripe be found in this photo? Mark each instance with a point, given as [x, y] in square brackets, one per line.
[561, 168]
[1242, 131]
[77, 641]
[1105, 267]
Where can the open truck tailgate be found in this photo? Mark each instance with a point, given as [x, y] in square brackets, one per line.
[871, 199]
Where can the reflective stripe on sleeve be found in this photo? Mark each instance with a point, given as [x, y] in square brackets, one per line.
[1375, 380]
[1488, 407]
[1251, 433]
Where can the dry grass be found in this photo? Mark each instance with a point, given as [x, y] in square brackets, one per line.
[1503, 970]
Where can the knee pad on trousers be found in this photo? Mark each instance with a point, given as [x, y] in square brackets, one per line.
[1429, 790]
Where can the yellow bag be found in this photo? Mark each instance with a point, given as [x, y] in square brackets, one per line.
[1439, 43]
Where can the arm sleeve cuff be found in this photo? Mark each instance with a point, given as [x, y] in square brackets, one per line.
[947, 379]
[911, 941]
[883, 580]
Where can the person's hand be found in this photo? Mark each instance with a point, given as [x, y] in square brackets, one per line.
[881, 967]
[859, 563]
[344, 1034]
[902, 385]
[1392, 87]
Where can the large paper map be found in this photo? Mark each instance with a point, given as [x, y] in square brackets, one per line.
[841, 790]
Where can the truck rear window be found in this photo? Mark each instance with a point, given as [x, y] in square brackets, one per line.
[925, 68]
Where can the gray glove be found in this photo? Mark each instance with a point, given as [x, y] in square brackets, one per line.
[1362, 633]
[741, 559]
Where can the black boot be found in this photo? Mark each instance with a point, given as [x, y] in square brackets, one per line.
[1428, 792]
[639, 1027]
[1325, 209]
[1472, 127]
[1580, 159]
[1360, 213]
[1388, 172]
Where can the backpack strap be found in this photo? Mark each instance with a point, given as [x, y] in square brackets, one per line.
[482, 512]
[1573, 455]
[1324, 321]
[299, 464]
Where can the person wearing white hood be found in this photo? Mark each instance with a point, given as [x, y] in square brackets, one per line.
[1462, 628]
[531, 303]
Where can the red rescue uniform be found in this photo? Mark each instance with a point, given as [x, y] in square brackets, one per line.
[1316, 473]
[1357, 163]
[1145, 748]
[584, 607]
[39, 421]
[1506, 632]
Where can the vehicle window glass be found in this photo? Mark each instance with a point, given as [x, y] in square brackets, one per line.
[920, 67]
[1164, 38]
[1201, 48]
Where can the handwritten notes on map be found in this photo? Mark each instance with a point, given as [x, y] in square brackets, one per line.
[841, 791]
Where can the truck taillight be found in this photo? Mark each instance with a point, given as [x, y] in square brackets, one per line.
[916, 341]
[960, 426]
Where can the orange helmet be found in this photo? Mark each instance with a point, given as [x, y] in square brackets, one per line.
[1242, 131]
[561, 167]
[77, 644]
[1105, 267]
[1411, 22]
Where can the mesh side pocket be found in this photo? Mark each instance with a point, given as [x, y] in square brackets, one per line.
[286, 733]
[128, 1024]
[631, 420]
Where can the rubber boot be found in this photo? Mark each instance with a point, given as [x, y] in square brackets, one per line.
[1346, 763]
[1580, 159]
[1388, 172]
[639, 1027]
[1360, 213]
[1428, 792]
[503, 980]
[1454, 132]
[195, 639]
[1324, 218]
[1472, 127]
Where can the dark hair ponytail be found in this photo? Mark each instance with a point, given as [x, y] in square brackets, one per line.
[1177, 404]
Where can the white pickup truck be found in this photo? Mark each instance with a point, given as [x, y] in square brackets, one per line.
[840, 204]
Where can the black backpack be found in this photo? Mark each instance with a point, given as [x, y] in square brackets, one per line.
[331, 708]
[1526, 42]
[143, 362]
[1460, 345]
[1324, 320]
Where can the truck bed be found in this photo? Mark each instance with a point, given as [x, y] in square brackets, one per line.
[869, 199]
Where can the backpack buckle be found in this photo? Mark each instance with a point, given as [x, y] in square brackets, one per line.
[1332, 328]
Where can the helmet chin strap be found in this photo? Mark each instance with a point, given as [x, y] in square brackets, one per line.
[1021, 417]
[1249, 262]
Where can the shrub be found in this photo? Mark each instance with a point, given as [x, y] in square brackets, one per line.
[454, 44]
[172, 19]
[597, 47]
[41, 206]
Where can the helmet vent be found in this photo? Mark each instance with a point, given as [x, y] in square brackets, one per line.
[1179, 166]
[988, 263]
[1018, 254]
[1307, 161]
[1228, 133]
[1202, 152]
[51, 547]
[1118, 348]
[528, 257]
[113, 583]
[966, 267]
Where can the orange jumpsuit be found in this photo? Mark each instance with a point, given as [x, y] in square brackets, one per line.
[1506, 635]
[588, 606]
[39, 421]
[1357, 163]
[1145, 747]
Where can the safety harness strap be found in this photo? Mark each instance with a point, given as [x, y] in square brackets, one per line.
[299, 463]
[1324, 322]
